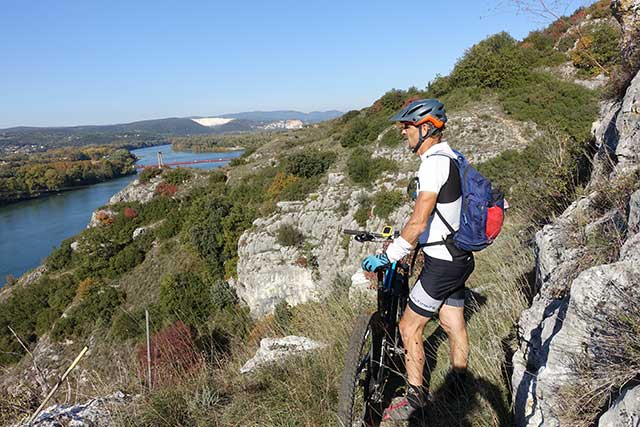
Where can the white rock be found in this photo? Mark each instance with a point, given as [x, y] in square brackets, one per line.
[278, 349]
[625, 411]
[93, 413]
[138, 232]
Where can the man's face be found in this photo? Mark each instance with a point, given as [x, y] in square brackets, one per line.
[410, 132]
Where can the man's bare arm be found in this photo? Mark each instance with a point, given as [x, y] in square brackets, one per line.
[417, 223]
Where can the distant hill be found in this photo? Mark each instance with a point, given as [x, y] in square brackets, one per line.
[158, 128]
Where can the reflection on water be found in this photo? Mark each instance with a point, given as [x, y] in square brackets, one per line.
[29, 230]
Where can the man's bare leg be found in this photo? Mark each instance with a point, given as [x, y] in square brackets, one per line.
[411, 328]
[452, 321]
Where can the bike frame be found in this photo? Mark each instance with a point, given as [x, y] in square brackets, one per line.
[393, 291]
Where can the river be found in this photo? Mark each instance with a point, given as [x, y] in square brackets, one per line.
[30, 229]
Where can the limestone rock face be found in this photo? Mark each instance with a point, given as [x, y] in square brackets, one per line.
[136, 192]
[269, 272]
[627, 12]
[625, 411]
[627, 124]
[575, 298]
[278, 349]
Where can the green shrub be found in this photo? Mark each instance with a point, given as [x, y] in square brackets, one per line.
[309, 163]
[386, 202]
[127, 325]
[361, 216]
[552, 103]
[223, 295]
[289, 235]
[177, 176]
[148, 174]
[364, 170]
[186, 297]
[392, 137]
[601, 44]
[495, 62]
[126, 259]
[93, 311]
[60, 257]
[299, 189]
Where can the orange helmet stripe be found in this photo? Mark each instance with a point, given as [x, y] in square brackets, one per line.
[437, 123]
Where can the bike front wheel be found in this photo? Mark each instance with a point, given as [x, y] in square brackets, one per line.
[359, 402]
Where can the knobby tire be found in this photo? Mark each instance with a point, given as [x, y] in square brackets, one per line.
[348, 416]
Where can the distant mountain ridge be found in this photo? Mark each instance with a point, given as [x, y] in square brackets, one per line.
[173, 126]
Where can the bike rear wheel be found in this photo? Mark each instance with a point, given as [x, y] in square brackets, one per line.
[357, 405]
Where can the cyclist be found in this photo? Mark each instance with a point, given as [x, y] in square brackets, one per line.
[441, 284]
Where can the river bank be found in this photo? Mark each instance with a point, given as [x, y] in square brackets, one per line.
[29, 230]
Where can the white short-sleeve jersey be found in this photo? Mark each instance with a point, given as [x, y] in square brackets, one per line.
[436, 175]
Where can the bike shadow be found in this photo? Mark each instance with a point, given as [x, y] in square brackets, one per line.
[458, 399]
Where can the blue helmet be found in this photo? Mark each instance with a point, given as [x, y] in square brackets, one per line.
[422, 111]
[419, 112]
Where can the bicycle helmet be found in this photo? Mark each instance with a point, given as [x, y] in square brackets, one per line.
[421, 111]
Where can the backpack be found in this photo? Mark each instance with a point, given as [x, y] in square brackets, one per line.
[481, 214]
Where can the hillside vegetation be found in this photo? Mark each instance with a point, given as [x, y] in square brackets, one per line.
[181, 267]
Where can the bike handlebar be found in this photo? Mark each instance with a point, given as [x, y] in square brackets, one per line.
[370, 236]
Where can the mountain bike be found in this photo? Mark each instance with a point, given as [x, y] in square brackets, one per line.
[374, 362]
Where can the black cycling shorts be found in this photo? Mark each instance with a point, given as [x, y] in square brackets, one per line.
[441, 282]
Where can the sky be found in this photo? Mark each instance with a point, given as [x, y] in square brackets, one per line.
[97, 62]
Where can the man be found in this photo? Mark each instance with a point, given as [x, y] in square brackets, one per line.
[440, 287]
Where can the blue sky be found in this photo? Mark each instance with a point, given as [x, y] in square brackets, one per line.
[98, 62]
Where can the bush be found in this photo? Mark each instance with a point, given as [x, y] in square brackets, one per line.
[185, 296]
[364, 170]
[552, 103]
[361, 216]
[289, 235]
[148, 174]
[601, 44]
[299, 189]
[392, 137]
[60, 257]
[166, 189]
[173, 353]
[125, 325]
[495, 62]
[94, 311]
[310, 163]
[126, 259]
[177, 176]
[386, 202]
[129, 213]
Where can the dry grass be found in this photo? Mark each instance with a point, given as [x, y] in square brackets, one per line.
[304, 392]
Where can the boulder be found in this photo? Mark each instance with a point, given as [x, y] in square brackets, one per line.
[93, 413]
[138, 232]
[274, 350]
[137, 191]
[625, 411]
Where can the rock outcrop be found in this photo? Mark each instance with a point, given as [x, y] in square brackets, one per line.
[577, 298]
[93, 413]
[625, 411]
[274, 350]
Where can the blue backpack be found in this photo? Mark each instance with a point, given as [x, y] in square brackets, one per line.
[481, 214]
